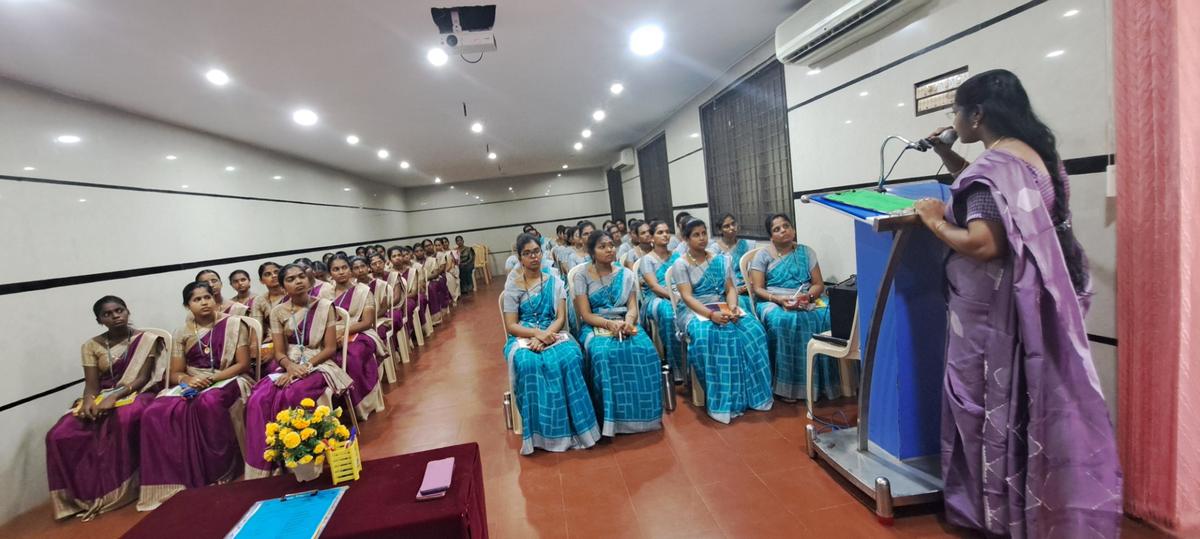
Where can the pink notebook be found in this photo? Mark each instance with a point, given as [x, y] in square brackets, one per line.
[437, 478]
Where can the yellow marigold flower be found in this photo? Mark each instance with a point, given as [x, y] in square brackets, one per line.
[305, 459]
[308, 433]
[272, 428]
[319, 460]
[291, 440]
[270, 440]
[307, 403]
[342, 432]
[283, 415]
[269, 455]
[323, 410]
[290, 464]
[320, 448]
[337, 412]
[318, 416]
[299, 423]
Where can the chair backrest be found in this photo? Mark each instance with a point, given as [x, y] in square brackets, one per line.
[256, 338]
[637, 279]
[345, 338]
[168, 342]
[480, 255]
[670, 286]
[571, 278]
[500, 309]
[744, 266]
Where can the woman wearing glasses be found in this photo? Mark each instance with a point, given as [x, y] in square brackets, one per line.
[545, 365]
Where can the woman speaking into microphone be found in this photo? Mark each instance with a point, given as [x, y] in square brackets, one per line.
[1027, 445]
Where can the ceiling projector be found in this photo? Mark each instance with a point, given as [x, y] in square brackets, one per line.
[466, 29]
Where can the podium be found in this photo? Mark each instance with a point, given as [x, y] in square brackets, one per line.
[892, 455]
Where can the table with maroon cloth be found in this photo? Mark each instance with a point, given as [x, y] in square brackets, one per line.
[380, 504]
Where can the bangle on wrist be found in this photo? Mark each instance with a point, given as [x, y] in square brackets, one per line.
[940, 225]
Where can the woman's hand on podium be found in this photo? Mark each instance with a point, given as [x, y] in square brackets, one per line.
[931, 210]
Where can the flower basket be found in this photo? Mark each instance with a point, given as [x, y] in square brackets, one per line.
[300, 438]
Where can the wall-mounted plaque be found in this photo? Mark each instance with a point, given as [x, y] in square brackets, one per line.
[937, 93]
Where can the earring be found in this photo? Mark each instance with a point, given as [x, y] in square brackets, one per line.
[975, 125]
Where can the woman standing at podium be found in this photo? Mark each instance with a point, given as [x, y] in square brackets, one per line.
[1027, 444]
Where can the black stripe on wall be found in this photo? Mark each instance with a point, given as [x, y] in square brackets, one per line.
[970, 30]
[37, 396]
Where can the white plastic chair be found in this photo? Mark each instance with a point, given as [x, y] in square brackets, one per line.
[696, 388]
[397, 336]
[345, 346]
[168, 342]
[744, 266]
[514, 410]
[571, 294]
[481, 262]
[256, 338]
[389, 362]
[651, 324]
[845, 354]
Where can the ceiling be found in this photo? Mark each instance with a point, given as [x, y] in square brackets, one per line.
[361, 66]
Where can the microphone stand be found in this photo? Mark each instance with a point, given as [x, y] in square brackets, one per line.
[908, 145]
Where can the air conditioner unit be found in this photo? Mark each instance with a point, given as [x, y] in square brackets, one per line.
[824, 27]
[625, 160]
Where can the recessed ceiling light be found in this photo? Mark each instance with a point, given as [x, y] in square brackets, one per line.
[230, 168]
[560, 174]
[510, 188]
[171, 158]
[476, 197]
[30, 168]
[1055, 54]
[68, 139]
[437, 179]
[578, 146]
[83, 200]
[598, 115]
[813, 71]
[404, 165]
[345, 188]
[352, 139]
[564, 168]
[616, 88]
[864, 93]
[452, 187]
[183, 186]
[900, 104]
[217, 77]
[477, 127]
[491, 155]
[1071, 13]
[646, 40]
[437, 56]
[304, 117]
[586, 133]
[468, 193]
[694, 135]
[276, 177]
[848, 122]
[383, 154]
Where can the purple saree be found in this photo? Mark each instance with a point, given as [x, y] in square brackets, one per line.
[363, 354]
[304, 333]
[190, 443]
[1027, 444]
[92, 466]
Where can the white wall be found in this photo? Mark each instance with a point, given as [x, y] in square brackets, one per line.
[497, 218]
[1072, 93]
[47, 232]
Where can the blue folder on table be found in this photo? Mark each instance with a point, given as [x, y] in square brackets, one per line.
[292, 516]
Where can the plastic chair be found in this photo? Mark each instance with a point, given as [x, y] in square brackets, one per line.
[397, 335]
[256, 338]
[345, 344]
[693, 381]
[481, 262]
[512, 412]
[845, 354]
[389, 363]
[168, 342]
[651, 324]
[571, 295]
[744, 266]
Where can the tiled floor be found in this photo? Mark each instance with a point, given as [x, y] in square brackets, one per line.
[695, 479]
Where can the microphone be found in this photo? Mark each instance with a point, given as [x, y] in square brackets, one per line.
[949, 136]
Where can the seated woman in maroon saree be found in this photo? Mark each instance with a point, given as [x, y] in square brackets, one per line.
[365, 350]
[439, 293]
[224, 304]
[191, 433]
[361, 270]
[305, 343]
[92, 452]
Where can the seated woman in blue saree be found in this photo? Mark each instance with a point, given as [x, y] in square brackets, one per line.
[639, 242]
[623, 364]
[656, 299]
[726, 347]
[191, 433]
[92, 452]
[788, 285]
[366, 350]
[545, 365]
[735, 248]
[305, 342]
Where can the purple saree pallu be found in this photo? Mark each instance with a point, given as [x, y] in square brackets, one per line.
[1027, 444]
[363, 354]
[190, 443]
[92, 466]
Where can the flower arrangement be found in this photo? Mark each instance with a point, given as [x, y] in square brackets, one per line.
[301, 436]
